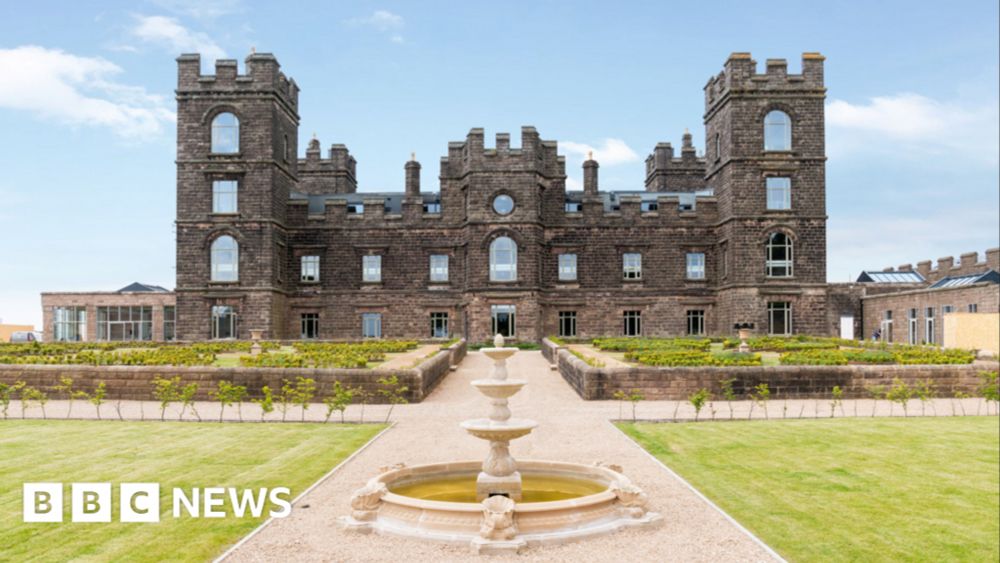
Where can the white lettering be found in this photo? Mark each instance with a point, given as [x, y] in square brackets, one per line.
[284, 503]
[214, 496]
[191, 504]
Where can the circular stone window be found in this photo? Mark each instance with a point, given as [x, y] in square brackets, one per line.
[503, 204]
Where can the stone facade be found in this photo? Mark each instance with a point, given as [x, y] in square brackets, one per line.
[289, 208]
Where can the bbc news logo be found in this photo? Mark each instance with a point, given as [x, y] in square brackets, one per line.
[140, 502]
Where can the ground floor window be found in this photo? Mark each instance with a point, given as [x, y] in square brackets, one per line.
[973, 307]
[169, 322]
[439, 325]
[912, 326]
[224, 321]
[779, 318]
[502, 320]
[310, 326]
[632, 323]
[125, 323]
[929, 326]
[69, 324]
[696, 322]
[886, 326]
[567, 324]
[371, 325]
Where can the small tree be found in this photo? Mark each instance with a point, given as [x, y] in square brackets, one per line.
[620, 396]
[960, 395]
[698, 400]
[728, 394]
[65, 387]
[305, 390]
[118, 408]
[394, 391]
[364, 397]
[925, 392]
[286, 397]
[876, 392]
[223, 394]
[838, 400]
[265, 402]
[29, 394]
[338, 400]
[7, 392]
[97, 397]
[990, 390]
[761, 395]
[186, 397]
[165, 391]
[900, 393]
[635, 397]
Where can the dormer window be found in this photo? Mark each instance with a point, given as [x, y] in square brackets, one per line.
[777, 131]
[225, 134]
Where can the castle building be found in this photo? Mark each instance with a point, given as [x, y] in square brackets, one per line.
[272, 242]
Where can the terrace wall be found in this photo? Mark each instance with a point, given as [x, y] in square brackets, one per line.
[136, 382]
[791, 382]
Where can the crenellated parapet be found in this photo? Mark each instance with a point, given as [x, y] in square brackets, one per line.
[739, 75]
[263, 74]
[948, 266]
[667, 173]
[335, 174]
[471, 155]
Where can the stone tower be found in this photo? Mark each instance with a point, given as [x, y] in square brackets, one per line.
[742, 167]
[257, 160]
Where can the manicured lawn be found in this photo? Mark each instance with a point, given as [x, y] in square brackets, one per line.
[847, 490]
[185, 455]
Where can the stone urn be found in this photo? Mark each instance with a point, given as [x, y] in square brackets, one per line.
[255, 336]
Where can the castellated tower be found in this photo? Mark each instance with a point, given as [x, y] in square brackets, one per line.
[236, 164]
[766, 162]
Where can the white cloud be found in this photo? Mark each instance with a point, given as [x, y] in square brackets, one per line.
[201, 9]
[859, 243]
[167, 32]
[384, 21]
[78, 91]
[610, 153]
[915, 126]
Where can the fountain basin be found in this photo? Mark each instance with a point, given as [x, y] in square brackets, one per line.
[597, 500]
[495, 389]
[504, 431]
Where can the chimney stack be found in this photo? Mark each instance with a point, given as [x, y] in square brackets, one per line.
[413, 177]
[590, 175]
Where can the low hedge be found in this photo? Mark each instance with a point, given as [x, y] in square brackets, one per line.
[692, 358]
[896, 355]
[633, 344]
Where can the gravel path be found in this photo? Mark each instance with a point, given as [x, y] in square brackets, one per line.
[569, 429]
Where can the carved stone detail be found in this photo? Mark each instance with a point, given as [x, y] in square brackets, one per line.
[612, 466]
[498, 519]
[365, 501]
[633, 500]
[393, 467]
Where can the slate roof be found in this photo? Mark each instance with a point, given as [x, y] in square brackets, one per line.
[137, 287]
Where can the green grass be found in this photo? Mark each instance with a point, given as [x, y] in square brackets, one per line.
[847, 490]
[184, 455]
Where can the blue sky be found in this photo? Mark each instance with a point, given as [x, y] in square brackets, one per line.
[86, 109]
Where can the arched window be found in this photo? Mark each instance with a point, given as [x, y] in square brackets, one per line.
[779, 256]
[225, 134]
[225, 259]
[777, 131]
[503, 260]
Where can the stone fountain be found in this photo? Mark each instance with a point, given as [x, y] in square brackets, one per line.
[499, 475]
[499, 505]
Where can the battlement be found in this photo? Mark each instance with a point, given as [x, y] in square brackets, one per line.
[262, 74]
[666, 173]
[336, 174]
[740, 74]
[966, 264]
[535, 154]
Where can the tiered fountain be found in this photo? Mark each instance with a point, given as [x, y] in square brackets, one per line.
[499, 505]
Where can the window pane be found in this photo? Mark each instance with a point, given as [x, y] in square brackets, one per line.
[696, 265]
[777, 131]
[372, 268]
[632, 266]
[439, 267]
[567, 267]
[503, 319]
[225, 259]
[503, 260]
[779, 193]
[225, 134]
